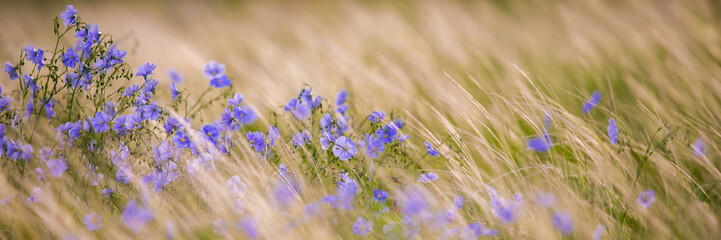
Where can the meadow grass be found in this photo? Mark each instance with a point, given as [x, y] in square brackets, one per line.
[473, 79]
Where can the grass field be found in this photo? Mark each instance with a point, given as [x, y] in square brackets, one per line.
[481, 82]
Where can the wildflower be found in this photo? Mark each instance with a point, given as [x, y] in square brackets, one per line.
[699, 147]
[57, 167]
[282, 170]
[592, 102]
[68, 15]
[30, 107]
[211, 132]
[244, 115]
[35, 55]
[162, 153]
[40, 173]
[326, 141]
[344, 148]
[540, 143]
[301, 138]
[376, 116]
[373, 146]
[5, 103]
[563, 222]
[171, 124]
[220, 81]
[343, 199]
[131, 90]
[236, 100]
[413, 201]
[35, 195]
[546, 200]
[598, 233]
[362, 227]
[100, 122]
[135, 217]
[300, 110]
[108, 191]
[379, 195]
[70, 58]
[646, 198]
[133, 121]
[150, 111]
[475, 230]
[173, 91]
[505, 209]
[146, 69]
[10, 70]
[175, 76]
[213, 69]
[181, 141]
[273, 135]
[430, 149]
[427, 177]
[249, 227]
[341, 97]
[256, 140]
[458, 201]
[612, 131]
[49, 112]
[93, 221]
[236, 186]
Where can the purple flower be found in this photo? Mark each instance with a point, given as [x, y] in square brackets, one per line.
[326, 141]
[92, 221]
[100, 122]
[70, 58]
[563, 222]
[146, 69]
[213, 70]
[458, 202]
[376, 116]
[646, 198]
[5, 103]
[49, 112]
[540, 143]
[68, 15]
[108, 191]
[506, 210]
[57, 167]
[244, 115]
[301, 138]
[412, 201]
[592, 102]
[598, 233]
[135, 217]
[211, 132]
[427, 177]
[150, 111]
[162, 153]
[175, 76]
[133, 121]
[173, 91]
[171, 124]
[273, 135]
[10, 70]
[256, 140]
[699, 147]
[35, 55]
[180, 140]
[343, 199]
[373, 146]
[220, 81]
[236, 100]
[612, 131]
[475, 230]
[35, 195]
[430, 149]
[249, 227]
[236, 187]
[341, 97]
[344, 148]
[300, 110]
[362, 227]
[379, 195]
[131, 90]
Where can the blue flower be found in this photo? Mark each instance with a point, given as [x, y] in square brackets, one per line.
[612, 131]
[301, 138]
[211, 132]
[135, 217]
[344, 148]
[427, 177]
[35, 55]
[150, 111]
[362, 227]
[236, 100]
[173, 91]
[540, 143]
[373, 146]
[93, 221]
[5, 103]
[35, 195]
[563, 222]
[249, 227]
[213, 70]
[10, 70]
[379, 195]
[133, 121]
[131, 90]
[146, 69]
[49, 109]
[108, 191]
[171, 124]
[300, 110]
[273, 135]
[592, 102]
[376, 116]
[698, 147]
[343, 199]
[244, 115]
[181, 141]
[100, 122]
[256, 140]
[175, 76]
[162, 153]
[646, 198]
[68, 15]
[413, 201]
[458, 201]
[57, 167]
[430, 149]
[475, 230]
[220, 81]
[341, 97]
[506, 210]
[70, 58]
